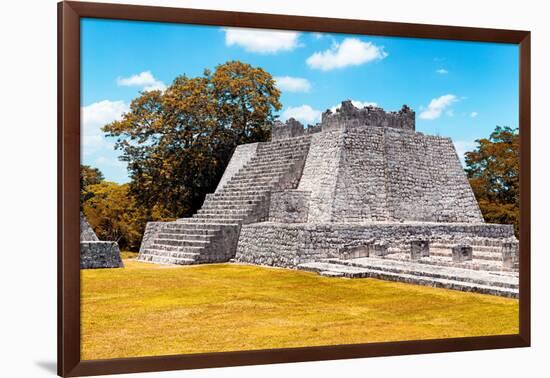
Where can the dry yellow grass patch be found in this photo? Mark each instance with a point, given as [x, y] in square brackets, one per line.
[150, 310]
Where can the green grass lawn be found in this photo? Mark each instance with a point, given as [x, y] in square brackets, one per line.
[145, 310]
[128, 255]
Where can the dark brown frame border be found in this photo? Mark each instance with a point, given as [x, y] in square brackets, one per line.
[69, 15]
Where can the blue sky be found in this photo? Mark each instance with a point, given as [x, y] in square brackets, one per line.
[458, 89]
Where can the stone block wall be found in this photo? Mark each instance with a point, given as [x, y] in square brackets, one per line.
[320, 173]
[289, 206]
[426, 181]
[86, 231]
[370, 174]
[360, 193]
[290, 129]
[287, 244]
[241, 156]
[349, 115]
[100, 254]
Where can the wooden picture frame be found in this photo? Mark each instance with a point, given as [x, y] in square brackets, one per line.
[69, 16]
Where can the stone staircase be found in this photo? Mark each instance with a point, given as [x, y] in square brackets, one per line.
[211, 234]
[504, 284]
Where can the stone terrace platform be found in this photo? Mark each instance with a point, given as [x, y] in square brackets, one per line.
[291, 244]
[423, 253]
[504, 284]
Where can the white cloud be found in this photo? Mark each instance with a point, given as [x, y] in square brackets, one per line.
[293, 84]
[261, 41]
[473, 114]
[437, 106]
[351, 52]
[357, 104]
[94, 117]
[442, 71]
[463, 146]
[144, 79]
[303, 113]
[318, 35]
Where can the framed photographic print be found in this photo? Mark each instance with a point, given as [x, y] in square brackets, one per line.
[239, 188]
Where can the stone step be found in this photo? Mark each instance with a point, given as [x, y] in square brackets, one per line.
[181, 242]
[224, 212]
[292, 149]
[266, 162]
[261, 164]
[229, 205]
[190, 234]
[165, 260]
[476, 254]
[446, 261]
[364, 272]
[220, 202]
[223, 222]
[250, 192]
[212, 225]
[267, 169]
[190, 224]
[284, 143]
[203, 232]
[277, 157]
[176, 248]
[252, 186]
[452, 273]
[171, 254]
[218, 217]
[240, 195]
[282, 146]
[254, 181]
[249, 179]
[475, 248]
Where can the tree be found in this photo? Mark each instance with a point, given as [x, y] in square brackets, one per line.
[493, 171]
[114, 215]
[88, 176]
[177, 143]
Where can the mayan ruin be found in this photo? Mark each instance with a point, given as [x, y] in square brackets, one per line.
[360, 194]
[95, 253]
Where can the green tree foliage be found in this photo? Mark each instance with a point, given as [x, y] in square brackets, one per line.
[493, 171]
[177, 143]
[114, 215]
[88, 176]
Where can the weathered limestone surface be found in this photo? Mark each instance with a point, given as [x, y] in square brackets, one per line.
[462, 252]
[320, 174]
[349, 115]
[419, 249]
[241, 156]
[289, 206]
[100, 254]
[86, 231]
[95, 253]
[152, 230]
[365, 174]
[288, 245]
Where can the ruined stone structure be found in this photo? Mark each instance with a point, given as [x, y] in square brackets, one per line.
[361, 194]
[95, 253]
